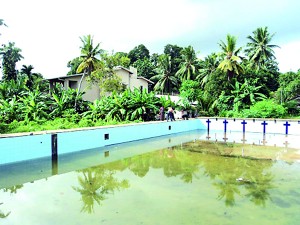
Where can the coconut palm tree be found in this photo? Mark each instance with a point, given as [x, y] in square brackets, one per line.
[165, 79]
[90, 58]
[231, 61]
[90, 55]
[259, 50]
[188, 66]
[31, 78]
[208, 66]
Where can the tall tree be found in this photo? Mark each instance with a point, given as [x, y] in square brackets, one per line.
[73, 65]
[259, 50]
[32, 79]
[145, 68]
[90, 56]
[188, 65]
[10, 56]
[174, 52]
[231, 61]
[166, 81]
[207, 67]
[139, 52]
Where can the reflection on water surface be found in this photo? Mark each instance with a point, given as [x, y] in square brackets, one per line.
[196, 182]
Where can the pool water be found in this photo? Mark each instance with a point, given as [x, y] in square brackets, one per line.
[156, 181]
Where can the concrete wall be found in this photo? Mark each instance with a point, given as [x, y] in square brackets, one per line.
[131, 80]
[20, 148]
[92, 91]
[14, 149]
[275, 126]
[24, 148]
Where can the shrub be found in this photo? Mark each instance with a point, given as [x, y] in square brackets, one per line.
[264, 109]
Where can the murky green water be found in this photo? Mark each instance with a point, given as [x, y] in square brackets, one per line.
[171, 185]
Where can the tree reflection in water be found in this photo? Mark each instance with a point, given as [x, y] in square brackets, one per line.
[95, 183]
[3, 215]
[11, 190]
[232, 177]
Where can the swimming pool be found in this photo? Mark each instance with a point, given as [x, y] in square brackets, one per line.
[163, 180]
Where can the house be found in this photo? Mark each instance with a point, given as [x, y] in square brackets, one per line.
[129, 78]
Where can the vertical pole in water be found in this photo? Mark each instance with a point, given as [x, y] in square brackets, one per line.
[286, 127]
[264, 124]
[225, 125]
[54, 153]
[208, 122]
[244, 128]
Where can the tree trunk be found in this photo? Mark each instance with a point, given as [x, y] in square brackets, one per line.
[78, 91]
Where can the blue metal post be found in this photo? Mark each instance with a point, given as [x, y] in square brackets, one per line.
[286, 127]
[208, 122]
[225, 125]
[244, 128]
[264, 124]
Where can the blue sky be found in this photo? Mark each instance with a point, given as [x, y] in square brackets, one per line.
[48, 31]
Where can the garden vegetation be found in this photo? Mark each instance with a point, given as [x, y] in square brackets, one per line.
[234, 82]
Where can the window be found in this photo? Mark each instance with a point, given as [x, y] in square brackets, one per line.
[73, 84]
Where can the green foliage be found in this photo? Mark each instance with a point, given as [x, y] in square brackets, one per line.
[187, 68]
[33, 80]
[34, 106]
[10, 56]
[73, 65]
[166, 102]
[207, 68]
[166, 80]
[118, 59]
[190, 90]
[3, 127]
[288, 91]
[89, 55]
[259, 50]
[174, 52]
[10, 109]
[145, 68]
[264, 109]
[231, 61]
[27, 105]
[139, 52]
[111, 83]
[242, 96]
[56, 124]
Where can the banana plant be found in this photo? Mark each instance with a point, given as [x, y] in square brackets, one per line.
[34, 106]
[142, 105]
[9, 109]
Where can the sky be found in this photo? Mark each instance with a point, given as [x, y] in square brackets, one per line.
[48, 32]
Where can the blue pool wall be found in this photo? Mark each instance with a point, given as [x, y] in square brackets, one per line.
[15, 148]
[20, 148]
[40, 168]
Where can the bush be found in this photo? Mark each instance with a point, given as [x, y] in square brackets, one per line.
[265, 109]
[3, 128]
